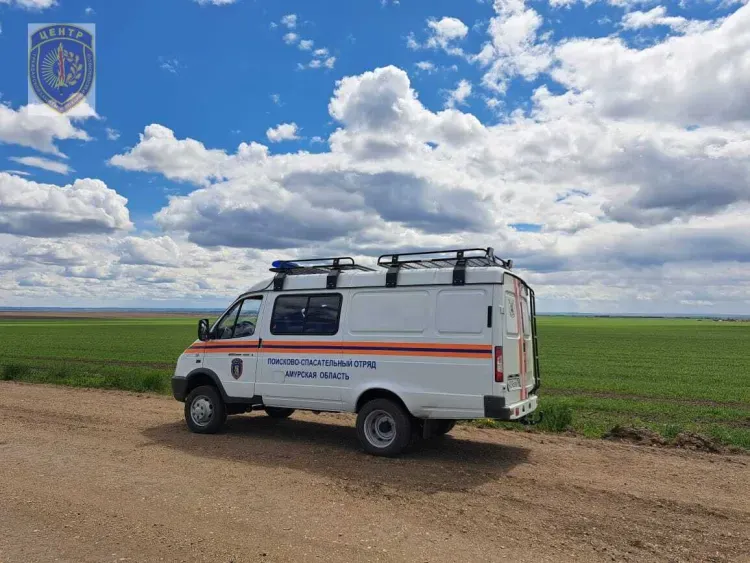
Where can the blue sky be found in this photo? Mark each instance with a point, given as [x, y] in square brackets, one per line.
[602, 145]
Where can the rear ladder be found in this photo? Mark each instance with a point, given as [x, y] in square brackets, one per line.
[535, 343]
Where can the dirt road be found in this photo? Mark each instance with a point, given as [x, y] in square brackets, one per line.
[111, 476]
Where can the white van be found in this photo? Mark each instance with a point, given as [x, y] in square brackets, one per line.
[427, 339]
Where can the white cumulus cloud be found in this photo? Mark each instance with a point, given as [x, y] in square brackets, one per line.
[184, 160]
[215, 2]
[426, 66]
[443, 34]
[43, 163]
[30, 126]
[289, 20]
[31, 4]
[306, 44]
[515, 48]
[45, 210]
[446, 30]
[658, 17]
[459, 94]
[154, 251]
[695, 79]
[282, 132]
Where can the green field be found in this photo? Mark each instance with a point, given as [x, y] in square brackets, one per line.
[668, 375]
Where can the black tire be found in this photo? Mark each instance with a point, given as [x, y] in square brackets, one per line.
[279, 412]
[444, 426]
[384, 428]
[211, 401]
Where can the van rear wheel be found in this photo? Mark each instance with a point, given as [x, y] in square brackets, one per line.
[384, 427]
[279, 412]
[205, 412]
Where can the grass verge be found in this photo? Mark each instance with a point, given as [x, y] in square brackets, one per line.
[96, 376]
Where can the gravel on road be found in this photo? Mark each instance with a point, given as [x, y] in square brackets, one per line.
[88, 475]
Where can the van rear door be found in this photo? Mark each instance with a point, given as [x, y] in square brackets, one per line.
[514, 331]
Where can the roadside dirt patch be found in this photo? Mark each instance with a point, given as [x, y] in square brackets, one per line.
[697, 442]
[642, 436]
[683, 440]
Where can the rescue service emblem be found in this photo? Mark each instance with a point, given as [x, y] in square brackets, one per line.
[61, 65]
[237, 368]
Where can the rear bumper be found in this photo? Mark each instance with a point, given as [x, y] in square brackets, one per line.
[495, 407]
[179, 388]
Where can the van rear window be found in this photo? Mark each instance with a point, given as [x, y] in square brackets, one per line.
[306, 314]
[526, 321]
[511, 315]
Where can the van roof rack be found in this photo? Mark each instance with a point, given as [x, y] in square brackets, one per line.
[330, 266]
[458, 259]
[474, 257]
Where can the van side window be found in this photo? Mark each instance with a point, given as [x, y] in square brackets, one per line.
[306, 314]
[240, 320]
[525, 318]
[248, 317]
[511, 315]
[225, 328]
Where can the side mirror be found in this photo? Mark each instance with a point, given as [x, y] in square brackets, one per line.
[203, 330]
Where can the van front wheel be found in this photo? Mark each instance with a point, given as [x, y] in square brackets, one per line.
[205, 412]
[383, 427]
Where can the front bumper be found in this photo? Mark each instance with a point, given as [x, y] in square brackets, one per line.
[495, 407]
[179, 388]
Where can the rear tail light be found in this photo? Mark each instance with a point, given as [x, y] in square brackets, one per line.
[499, 376]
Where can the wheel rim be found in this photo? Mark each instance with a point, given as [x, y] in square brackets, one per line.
[380, 428]
[202, 410]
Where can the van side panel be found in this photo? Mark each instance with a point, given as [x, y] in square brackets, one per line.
[429, 345]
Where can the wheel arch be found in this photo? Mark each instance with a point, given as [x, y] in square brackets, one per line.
[205, 376]
[379, 393]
